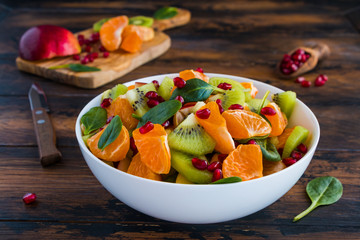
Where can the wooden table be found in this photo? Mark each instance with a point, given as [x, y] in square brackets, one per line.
[244, 38]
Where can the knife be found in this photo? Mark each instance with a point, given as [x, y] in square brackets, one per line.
[45, 135]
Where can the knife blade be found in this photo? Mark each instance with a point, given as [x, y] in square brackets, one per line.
[45, 135]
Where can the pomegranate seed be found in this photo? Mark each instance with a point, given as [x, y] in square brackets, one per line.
[235, 107]
[87, 42]
[296, 57]
[214, 165]
[148, 126]
[302, 148]
[29, 198]
[217, 175]
[180, 99]
[81, 42]
[102, 49]
[307, 55]
[299, 51]
[94, 37]
[156, 84]
[151, 95]
[166, 124]
[296, 155]
[80, 37]
[133, 146]
[306, 83]
[300, 79]
[88, 48]
[221, 109]
[286, 58]
[106, 54]
[268, 111]
[252, 141]
[225, 86]
[109, 119]
[280, 151]
[200, 70]
[303, 58]
[293, 67]
[319, 82]
[222, 157]
[286, 71]
[85, 60]
[289, 161]
[179, 82]
[203, 114]
[106, 102]
[89, 56]
[76, 57]
[160, 99]
[199, 163]
[324, 77]
[95, 55]
[152, 103]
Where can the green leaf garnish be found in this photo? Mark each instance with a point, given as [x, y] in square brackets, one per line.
[227, 180]
[94, 119]
[110, 133]
[98, 24]
[160, 113]
[165, 13]
[195, 90]
[268, 150]
[322, 191]
[263, 100]
[77, 67]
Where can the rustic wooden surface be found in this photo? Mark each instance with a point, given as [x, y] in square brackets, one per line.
[244, 38]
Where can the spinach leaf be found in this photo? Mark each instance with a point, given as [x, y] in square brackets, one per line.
[227, 180]
[160, 113]
[110, 133]
[94, 119]
[322, 191]
[77, 67]
[268, 150]
[165, 13]
[98, 24]
[195, 90]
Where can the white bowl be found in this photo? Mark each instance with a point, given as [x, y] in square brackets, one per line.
[199, 204]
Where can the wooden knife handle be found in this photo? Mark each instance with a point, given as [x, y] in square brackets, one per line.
[45, 137]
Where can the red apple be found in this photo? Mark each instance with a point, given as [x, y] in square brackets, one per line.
[47, 41]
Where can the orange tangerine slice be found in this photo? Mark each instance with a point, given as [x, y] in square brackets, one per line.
[154, 149]
[138, 168]
[278, 121]
[283, 137]
[131, 43]
[110, 32]
[145, 33]
[244, 162]
[122, 107]
[215, 126]
[244, 124]
[190, 74]
[250, 85]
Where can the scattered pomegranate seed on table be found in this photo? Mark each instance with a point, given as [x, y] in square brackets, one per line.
[85, 60]
[306, 83]
[106, 54]
[180, 99]
[179, 82]
[88, 48]
[203, 113]
[29, 198]
[199, 163]
[217, 175]
[148, 126]
[300, 79]
[102, 49]
[76, 57]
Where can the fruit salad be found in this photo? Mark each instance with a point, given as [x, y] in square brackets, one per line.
[193, 129]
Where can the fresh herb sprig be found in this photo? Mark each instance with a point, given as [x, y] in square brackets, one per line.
[110, 133]
[75, 67]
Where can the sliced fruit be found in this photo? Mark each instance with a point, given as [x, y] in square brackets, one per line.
[154, 149]
[138, 168]
[254, 104]
[114, 92]
[115, 151]
[230, 97]
[270, 167]
[244, 162]
[190, 74]
[243, 124]
[281, 140]
[121, 107]
[297, 136]
[137, 98]
[182, 163]
[278, 121]
[182, 180]
[268, 150]
[286, 101]
[215, 81]
[131, 43]
[165, 88]
[110, 32]
[141, 21]
[215, 126]
[97, 26]
[191, 138]
[145, 33]
[124, 164]
[253, 90]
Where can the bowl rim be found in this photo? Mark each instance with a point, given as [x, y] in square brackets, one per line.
[315, 136]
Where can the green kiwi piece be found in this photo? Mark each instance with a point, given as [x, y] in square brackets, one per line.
[137, 98]
[215, 81]
[114, 92]
[141, 21]
[230, 97]
[286, 101]
[183, 164]
[298, 135]
[191, 138]
[255, 103]
[165, 88]
[98, 24]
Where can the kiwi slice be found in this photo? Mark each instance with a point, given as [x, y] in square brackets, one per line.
[230, 97]
[182, 163]
[182, 180]
[97, 26]
[191, 138]
[141, 21]
[165, 88]
[137, 98]
[116, 91]
[298, 135]
[215, 81]
[286, 101]
[255, 103]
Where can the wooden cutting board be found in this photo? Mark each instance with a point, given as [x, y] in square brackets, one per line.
[115, 66]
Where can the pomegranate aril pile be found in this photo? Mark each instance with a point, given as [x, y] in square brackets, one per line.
[214, 165]
[89, 45]
[290, 64]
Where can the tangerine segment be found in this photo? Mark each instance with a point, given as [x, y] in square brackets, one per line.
[110, 32]
[215, 126]
[244, 124]
[145, 33]
[270, 167]
[244, 162]
[190, 74]
[131, 43]
[115, 151]
[154, 149]
[253, 89]
[122, 107]
[283, 137]
[278, 121]
[138, 168]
